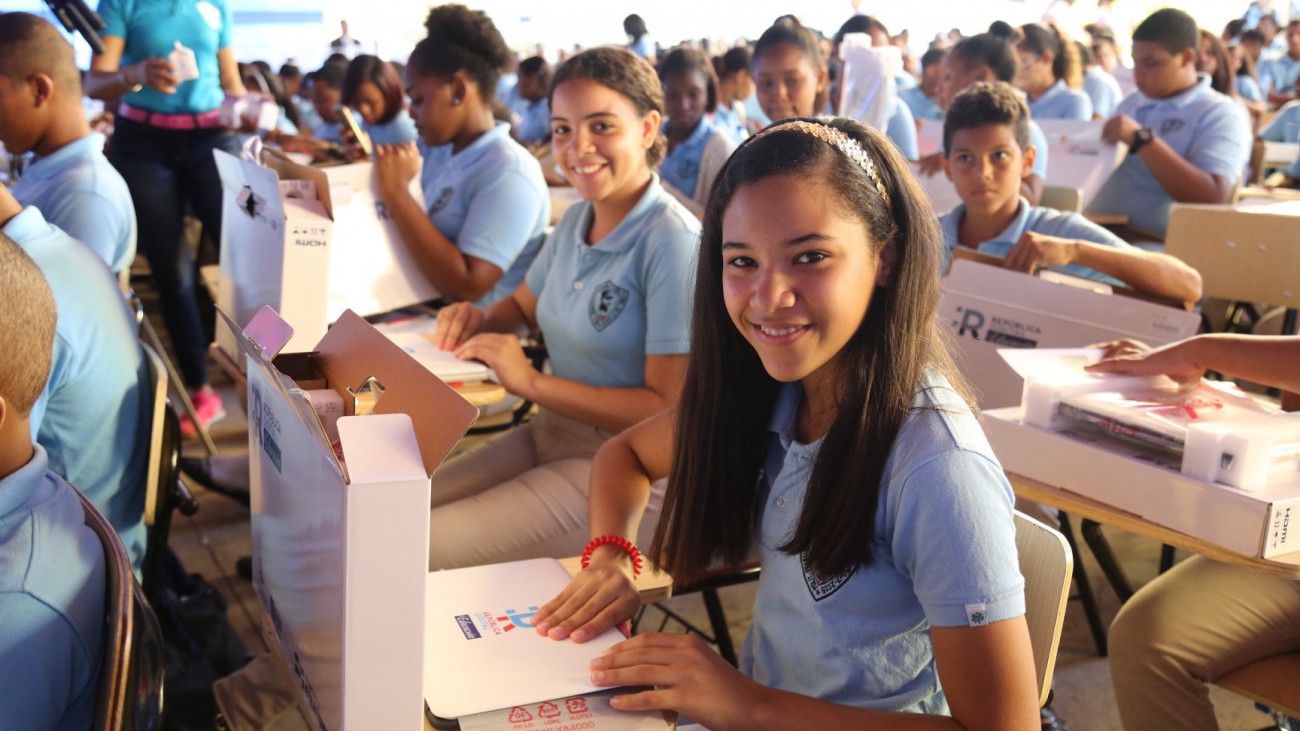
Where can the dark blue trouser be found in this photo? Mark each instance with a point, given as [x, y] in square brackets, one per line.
[167, 170]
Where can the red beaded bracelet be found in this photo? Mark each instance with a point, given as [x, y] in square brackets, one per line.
[613, 540]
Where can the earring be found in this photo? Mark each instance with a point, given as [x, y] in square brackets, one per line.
[455, 101]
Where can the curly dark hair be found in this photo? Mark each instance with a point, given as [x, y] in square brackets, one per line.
[466, 40]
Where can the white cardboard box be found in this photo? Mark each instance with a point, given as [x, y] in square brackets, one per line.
[311, 243]
[341, 547]
[985, 308]
[1137, 481]
[1077, 157]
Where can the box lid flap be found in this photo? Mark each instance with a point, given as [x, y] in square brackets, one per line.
[354, 351]
[287, 169]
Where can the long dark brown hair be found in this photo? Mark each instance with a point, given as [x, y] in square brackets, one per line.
[710, 507]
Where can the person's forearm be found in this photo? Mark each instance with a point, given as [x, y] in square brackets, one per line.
[1183, 181]
[440, 261]
[614, 409]
[1160, 275]
[110, 85]
[620, 491]
[1270, 360]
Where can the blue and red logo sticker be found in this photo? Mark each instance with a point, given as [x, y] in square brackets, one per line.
[484, 624]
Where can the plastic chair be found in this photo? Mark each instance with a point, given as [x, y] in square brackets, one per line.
[1047, 563]
[1062, 199]
[164, 490]
[130, 693]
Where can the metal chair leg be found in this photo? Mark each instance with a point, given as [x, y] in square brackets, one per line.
[1090, 609]
[1101, 550]
[718, 619]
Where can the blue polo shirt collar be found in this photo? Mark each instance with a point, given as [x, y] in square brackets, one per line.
[485, 141]
[1052, 92]
[625, 235]
[51, 165]
[1010, 235]
[17, 488]
[785, 412]
[698, 136]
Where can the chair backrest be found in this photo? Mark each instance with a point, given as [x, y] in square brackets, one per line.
[130, 680]
[155, 384]
[1062, 199]
[1046, 563]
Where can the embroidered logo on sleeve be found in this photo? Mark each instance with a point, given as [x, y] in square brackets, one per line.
[977, 615]
[823, 586]
[607, 303]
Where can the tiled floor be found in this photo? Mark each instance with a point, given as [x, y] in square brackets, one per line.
[213, 540]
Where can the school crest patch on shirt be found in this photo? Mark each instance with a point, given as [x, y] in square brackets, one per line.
[607, 303]
[823, 586]
[444, 197]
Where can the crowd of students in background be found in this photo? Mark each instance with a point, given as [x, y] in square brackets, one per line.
[795, 258]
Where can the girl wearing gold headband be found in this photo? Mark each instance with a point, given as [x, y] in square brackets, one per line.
[823, 427]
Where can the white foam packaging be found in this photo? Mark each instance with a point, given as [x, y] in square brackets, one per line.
[985, 308]
[341, 529]
[310, 243]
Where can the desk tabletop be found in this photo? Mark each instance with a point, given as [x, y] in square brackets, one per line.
[1286, 566]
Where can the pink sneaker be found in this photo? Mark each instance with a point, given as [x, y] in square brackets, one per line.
[207, 406]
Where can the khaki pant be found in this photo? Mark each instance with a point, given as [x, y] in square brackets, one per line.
[521, 495]
[1197, 622]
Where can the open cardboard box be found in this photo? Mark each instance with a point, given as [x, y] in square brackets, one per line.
[985, 307]
[1136, 480]
[341, 537]
[311, 243]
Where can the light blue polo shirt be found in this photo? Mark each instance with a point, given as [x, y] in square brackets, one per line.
[1248, 88]
[681, 167]
[491, 200]
[151, 29]
[1048, 221]
[922, 106]
[944, 556]
[605, 307]
[731, 121]
[1279, 73]
[1285, 125]
[307, 113]
[328, 131]
[901, 130]
[1205, 127]
[91, 417]
[535, 121]
[1061, 102]
[395, 131]
[78, 190]
[1103, 90]
[52, 589]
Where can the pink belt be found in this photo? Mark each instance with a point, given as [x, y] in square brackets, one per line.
[206, 120]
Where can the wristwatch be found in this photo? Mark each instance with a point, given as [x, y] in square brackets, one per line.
[1141, 139]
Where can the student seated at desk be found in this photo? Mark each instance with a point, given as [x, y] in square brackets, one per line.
[91, 417]
[822, 423]
[1187, 143]
[71, 180]
[607, 293]
[1051, 75]
[51, 564]
[921, 99]
[987, 57]
[326, 96]
[696, 147]
[534, 88]
[487, 203]
[986, 135]
[372, 87]
[1202, 619]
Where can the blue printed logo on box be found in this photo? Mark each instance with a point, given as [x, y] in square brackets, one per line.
[467, 627]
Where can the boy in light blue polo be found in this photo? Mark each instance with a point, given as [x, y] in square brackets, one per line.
[985, 133]
[944, 503]
[1278, 74]
[91, 417]
[604, 308]
[1285, 125]
[52, 575]
[71, 180]
[1174, 118]
[491, 200]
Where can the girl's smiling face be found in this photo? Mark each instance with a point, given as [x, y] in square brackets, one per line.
[787, 82]
[599, 138]
[798, 273]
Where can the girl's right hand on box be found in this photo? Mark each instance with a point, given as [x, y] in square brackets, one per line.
[601, 596]
[456, 323]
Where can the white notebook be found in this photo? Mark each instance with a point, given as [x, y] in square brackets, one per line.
[442, 363]
[481, 651]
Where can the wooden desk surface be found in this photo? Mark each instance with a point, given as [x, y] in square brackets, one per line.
[1287, 566]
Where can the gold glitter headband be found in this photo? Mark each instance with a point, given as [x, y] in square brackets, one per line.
[840, 141]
